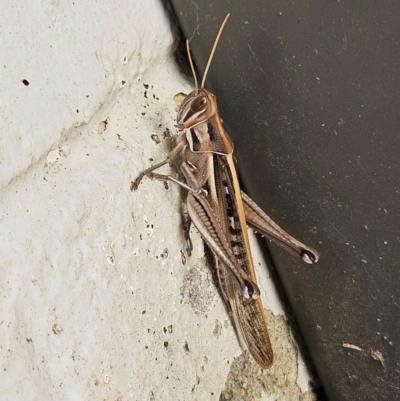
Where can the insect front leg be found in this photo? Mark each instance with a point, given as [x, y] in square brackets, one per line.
[165, 177]
[189, 171]
[168, 160]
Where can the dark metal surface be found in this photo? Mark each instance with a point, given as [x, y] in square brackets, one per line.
[309, 92]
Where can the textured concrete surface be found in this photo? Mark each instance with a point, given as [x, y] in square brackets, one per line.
[98, 297]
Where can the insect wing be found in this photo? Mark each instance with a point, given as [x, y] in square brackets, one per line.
[248, 314]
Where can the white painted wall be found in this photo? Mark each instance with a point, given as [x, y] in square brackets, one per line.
[96, 302]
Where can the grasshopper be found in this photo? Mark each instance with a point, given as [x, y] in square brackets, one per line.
[221, 211]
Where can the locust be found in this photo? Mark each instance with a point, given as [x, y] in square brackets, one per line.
[221, 211]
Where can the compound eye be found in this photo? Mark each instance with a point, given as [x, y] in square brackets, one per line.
[198, 104]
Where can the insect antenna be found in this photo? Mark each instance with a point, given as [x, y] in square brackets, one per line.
[192, 67]
[213, 50]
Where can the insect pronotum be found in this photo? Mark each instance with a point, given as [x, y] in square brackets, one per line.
[221, 211]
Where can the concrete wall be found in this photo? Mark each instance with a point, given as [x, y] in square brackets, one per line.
[98, 297]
